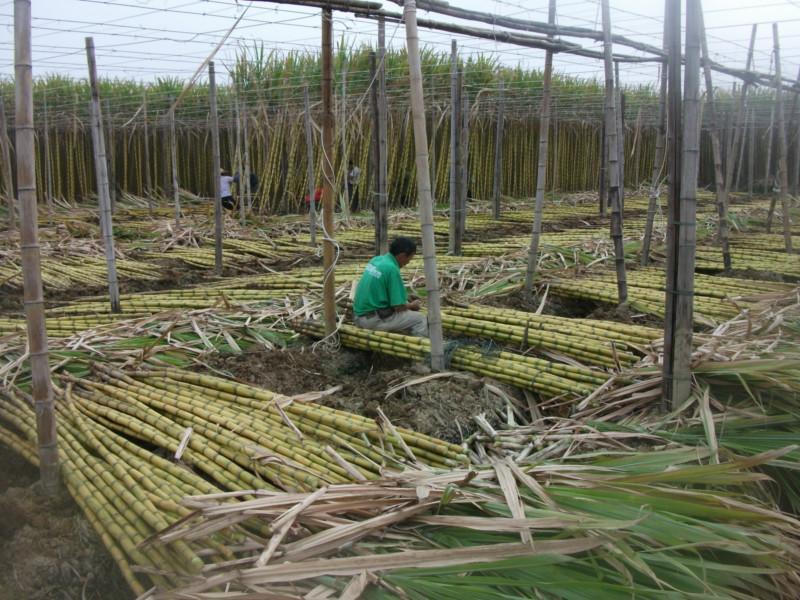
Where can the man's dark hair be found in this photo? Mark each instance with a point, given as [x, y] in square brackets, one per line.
[403, 245]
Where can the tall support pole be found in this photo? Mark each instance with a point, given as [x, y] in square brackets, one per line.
[541, 170]
[148, 183]
[374, 150]
[454, 241]
[100, 166]
[48, 162]
[782, 175]
[383, 142]
[658, 163]
[33, 296]
[215, 169]
[327, 171]
[498, 151]
[741, 113]
[173, 152]
[312, 203]
[111, 157]
[5, 158]
[424, 187]
[719, 178]
[619, 98]
[682, 231]
[614, 182]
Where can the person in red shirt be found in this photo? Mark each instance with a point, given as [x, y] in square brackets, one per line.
[317, 199]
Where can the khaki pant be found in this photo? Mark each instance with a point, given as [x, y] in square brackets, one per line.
[398, 322]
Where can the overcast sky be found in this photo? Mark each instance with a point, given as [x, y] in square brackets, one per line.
[145, 39]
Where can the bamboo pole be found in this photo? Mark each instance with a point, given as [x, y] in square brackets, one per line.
[148, 183]
[328, 191]
[619, 98]
[33, 295]
[681, 241]
[101, 173]
[5, 158]
[713, 126]
[614, 182]
[215, 169]
[738, 134]
[383, 144]
[658, 163]
[783, 175]
[541, 170]
[111, 157]
[424, 187]
[48, 162]
[497, 180]
[173, 151]
[454, 239]
[312, 204]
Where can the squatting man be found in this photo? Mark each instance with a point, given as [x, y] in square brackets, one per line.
[381, 301]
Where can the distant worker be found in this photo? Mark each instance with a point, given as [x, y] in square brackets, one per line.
[381, 302]
[353, 177]
[225, 183]
[317, 200]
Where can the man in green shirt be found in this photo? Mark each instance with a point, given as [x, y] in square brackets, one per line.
[381, 302]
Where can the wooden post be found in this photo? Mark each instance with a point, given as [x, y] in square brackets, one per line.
[101, 173]
[454, 241]
[658, 163]
[614, 182]
[48, 163]
[498, 152]
[47, 437]
[713, 126]
[148, 182]
[383, 143]
[312, 203]
[327, 170]
[5, 157]
[782, 175]
[541, 171]
[112, 163]
[173, 151]
[682, 227]
[424, 187]
[215, 169]
[738, 134]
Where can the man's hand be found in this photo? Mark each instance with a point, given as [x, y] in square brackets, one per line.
[414, 305]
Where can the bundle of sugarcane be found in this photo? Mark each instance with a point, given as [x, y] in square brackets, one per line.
[550, 529]
[748, 258]
[773, 242]
[68, 325]
[545, 377]
[202, 258]
[276, 249]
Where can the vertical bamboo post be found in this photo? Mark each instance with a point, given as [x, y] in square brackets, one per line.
[658, 162]
[619, 98]
[328, 175]
[148, 183]
[173, 151]
[111, 157]
[713, 126]
[497, 181]
[464, 168]
[681, 241]
[424, 187]
[33, 295]
[312, 203]
[215, 169]
[101, 172]
[738, 134]
[383, 142]
[48, 162]
[454, 241]
[614, 182]
[5, 157]
[541, 171]
[782, 175]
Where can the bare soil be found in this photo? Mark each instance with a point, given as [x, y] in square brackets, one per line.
[48, 551]
[441, 407]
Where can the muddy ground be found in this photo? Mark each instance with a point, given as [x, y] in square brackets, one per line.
[48, 551]
[442, 407]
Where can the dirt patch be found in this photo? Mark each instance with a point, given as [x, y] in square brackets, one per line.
[441, 407]
[47, 548]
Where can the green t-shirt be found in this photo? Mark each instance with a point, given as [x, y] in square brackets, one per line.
[381, 286]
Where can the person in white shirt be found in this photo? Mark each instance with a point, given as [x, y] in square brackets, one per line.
[225, 183]
[353, 176]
